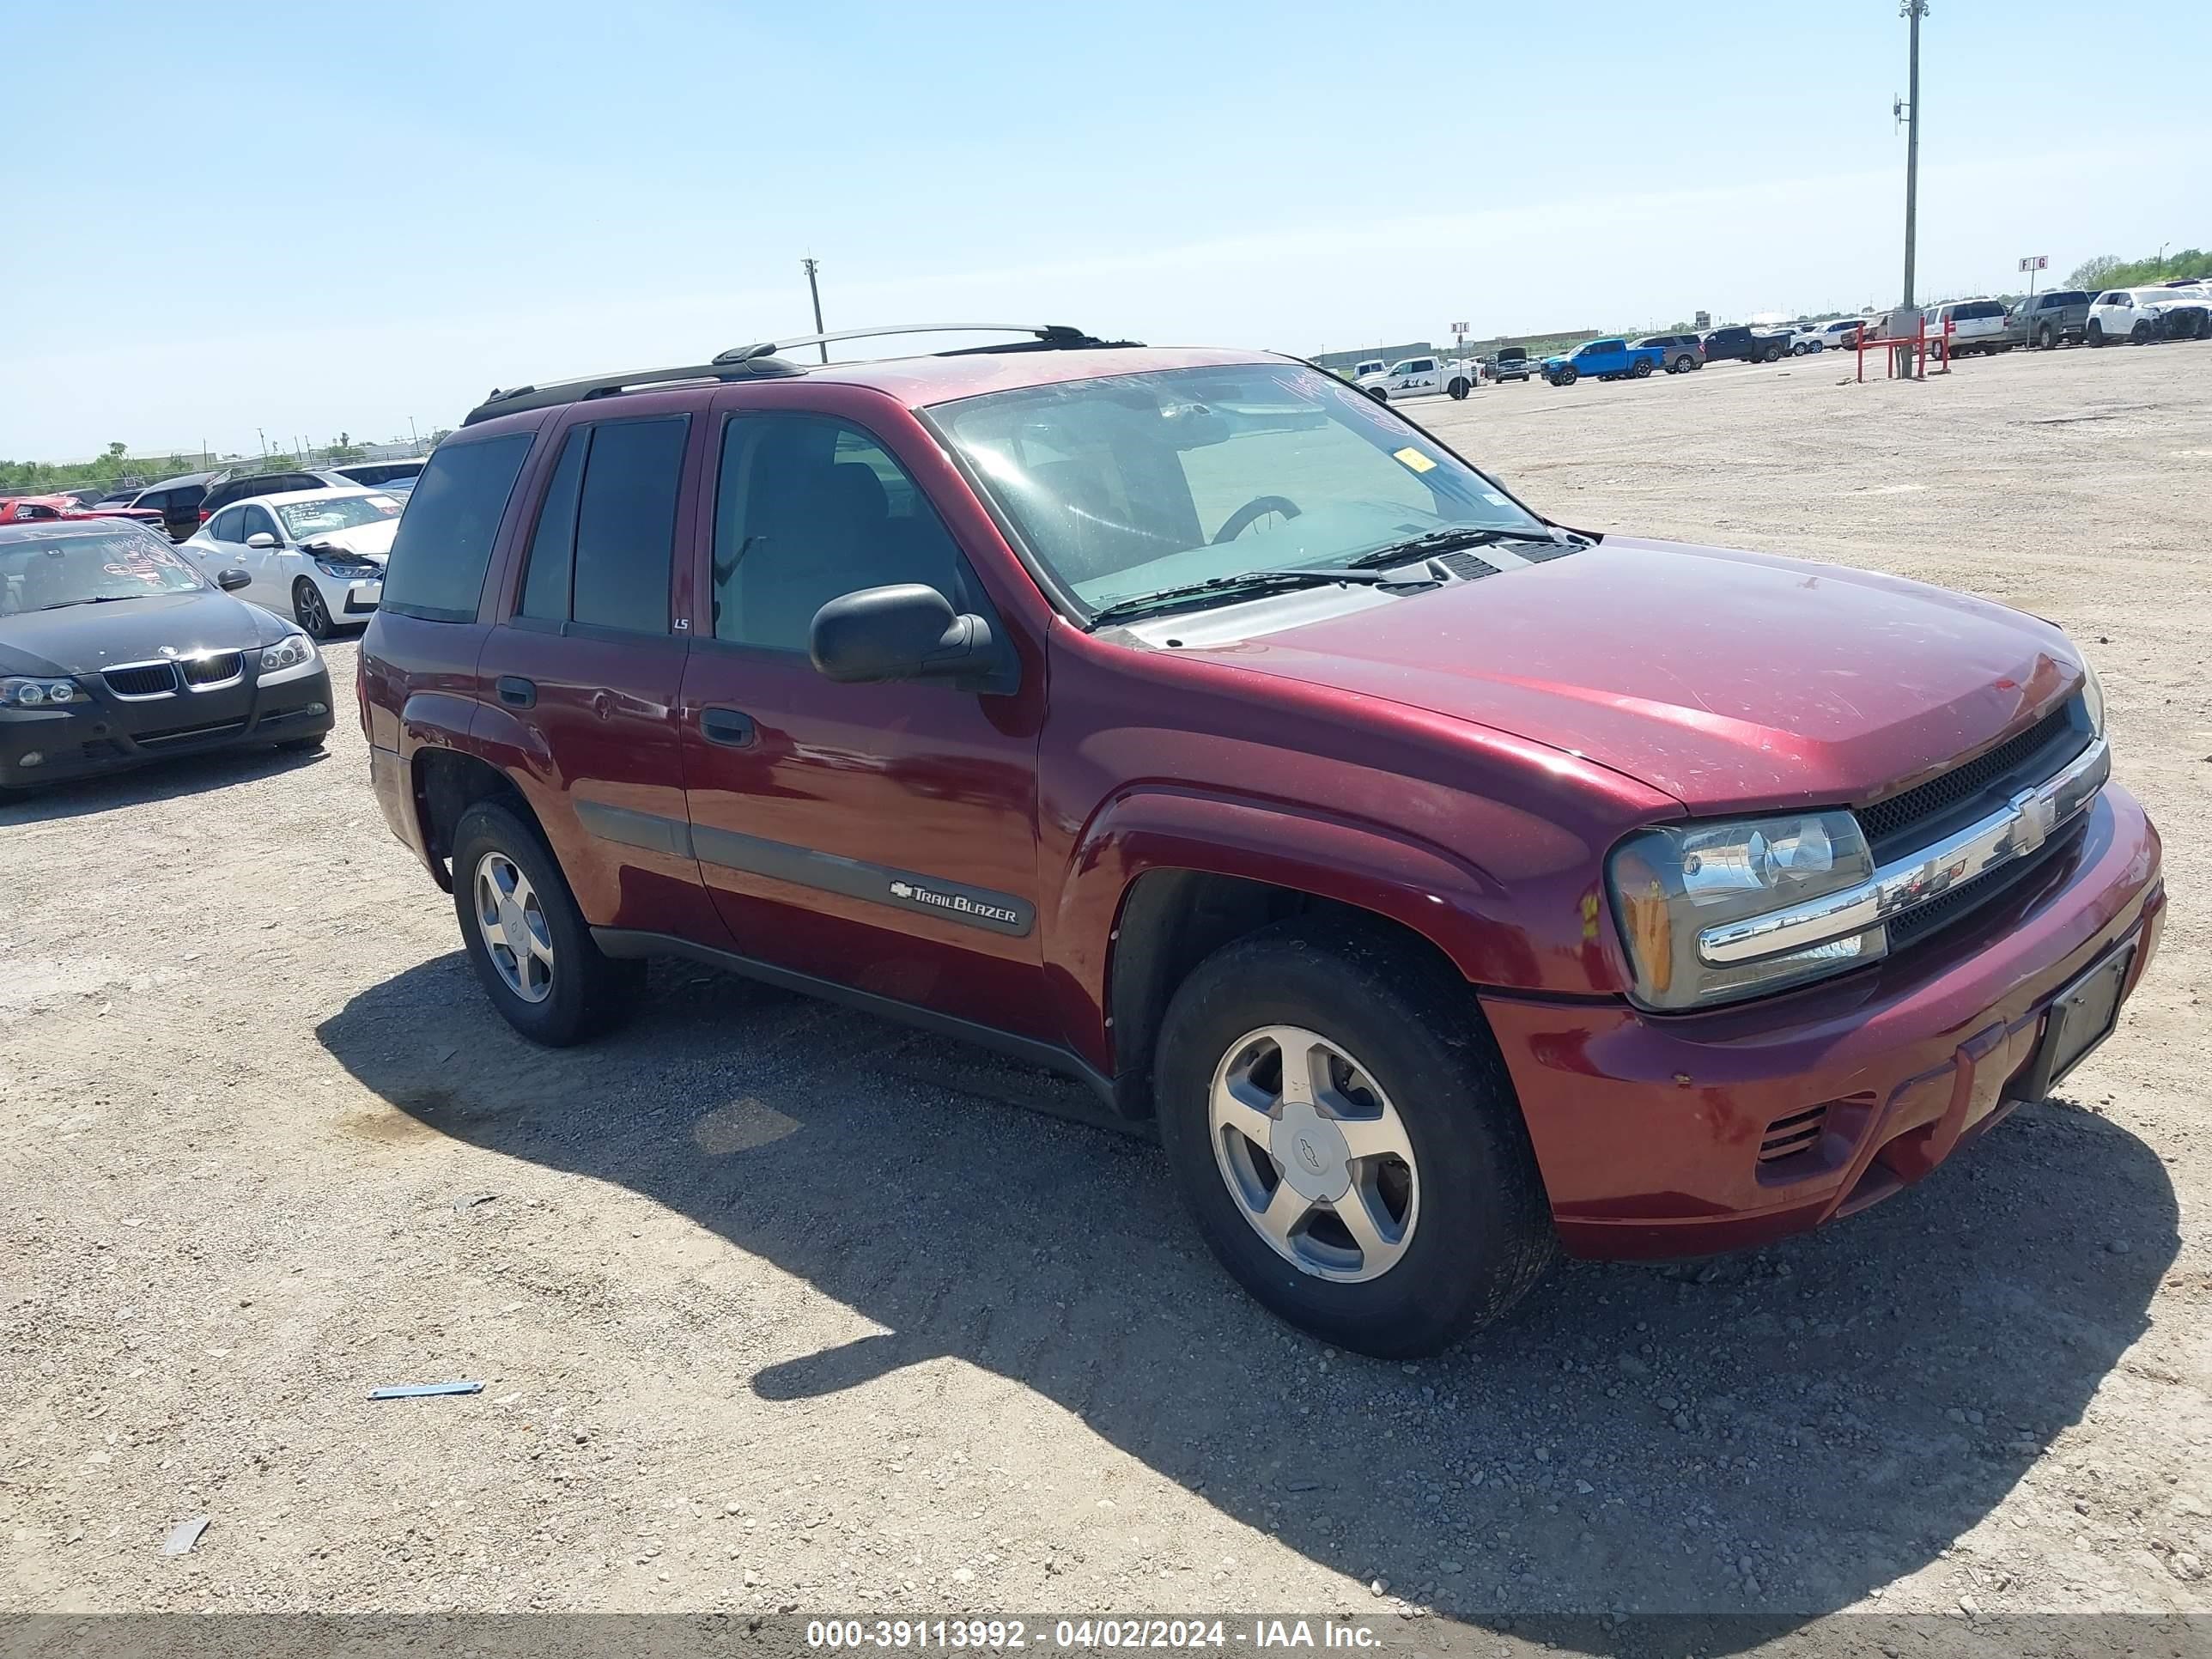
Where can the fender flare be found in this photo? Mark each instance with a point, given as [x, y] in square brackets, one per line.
[1453, 904]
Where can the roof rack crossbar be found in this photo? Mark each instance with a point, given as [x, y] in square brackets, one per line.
[1056, 334]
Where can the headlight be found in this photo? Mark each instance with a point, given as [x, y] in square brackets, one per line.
[2092, 697]
[39, 691]
[1671, 882]
[342, 568]
[288, 652]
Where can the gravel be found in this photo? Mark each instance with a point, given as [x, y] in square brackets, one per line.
[780, 1307]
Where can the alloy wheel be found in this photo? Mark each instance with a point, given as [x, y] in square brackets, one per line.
[308, 607]
[1314, 1154]
[517, 936]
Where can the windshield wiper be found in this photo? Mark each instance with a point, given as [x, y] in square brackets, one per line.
[1251, 582]
[1451, 540]
[96, 598]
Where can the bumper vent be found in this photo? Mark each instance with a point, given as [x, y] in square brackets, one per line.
[1799, 1132]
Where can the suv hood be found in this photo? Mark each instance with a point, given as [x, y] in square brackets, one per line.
[1731, 681]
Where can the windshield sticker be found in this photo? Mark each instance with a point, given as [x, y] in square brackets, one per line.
[1413, 459]
[1494, 498]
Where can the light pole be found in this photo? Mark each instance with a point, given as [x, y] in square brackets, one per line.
[1914, 11]
[815, 290]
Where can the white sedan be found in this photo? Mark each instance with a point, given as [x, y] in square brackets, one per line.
[315, 556]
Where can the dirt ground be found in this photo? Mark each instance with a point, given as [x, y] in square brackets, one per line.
[778, 1307]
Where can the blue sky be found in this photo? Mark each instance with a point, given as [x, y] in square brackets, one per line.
[320, 218]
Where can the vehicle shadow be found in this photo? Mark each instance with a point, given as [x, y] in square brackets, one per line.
[1770, 1436]
[167, 779]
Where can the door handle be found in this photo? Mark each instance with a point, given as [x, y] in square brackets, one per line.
[726, 726]
[516, 692]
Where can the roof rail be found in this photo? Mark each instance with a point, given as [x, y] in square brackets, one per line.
[1046, 337]
[514, 400]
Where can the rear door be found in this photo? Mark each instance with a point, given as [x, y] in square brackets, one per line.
[880, 837]
[582, 669]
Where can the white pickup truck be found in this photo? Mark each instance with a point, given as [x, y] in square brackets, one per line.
[1420, 377]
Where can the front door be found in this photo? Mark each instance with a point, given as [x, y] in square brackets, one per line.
[580, 676]
[881, 837]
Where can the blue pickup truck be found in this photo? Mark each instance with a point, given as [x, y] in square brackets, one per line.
[1610, 360]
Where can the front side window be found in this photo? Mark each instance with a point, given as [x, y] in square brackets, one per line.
[606, 536]
[1135, 482]
[49, 574]
[443, 545]
[255, 521]
[808, 508]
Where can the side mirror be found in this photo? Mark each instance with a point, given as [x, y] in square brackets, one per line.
[261, 539]
[905, 632]
[231, 581]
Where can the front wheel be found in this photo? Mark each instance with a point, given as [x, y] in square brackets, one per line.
[308, 608]
[2140, 334]
[526, 939]
[1564, 377]
[2046, 337]
[2096, 335]
[1345, 1134]
[1381, 394]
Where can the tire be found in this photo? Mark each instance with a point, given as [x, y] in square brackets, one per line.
[2096, 334]
[2140, 334]
[1458, 389]
[1771, 354]
[1381, 394]
[584, 992]
[1475, 1229]
[1564, 377]
[2047, 337]
[1643, 369]
[310, 611]
[303, 745]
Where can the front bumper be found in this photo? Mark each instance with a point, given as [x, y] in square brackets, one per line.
[1650, 1130]
[111, 734]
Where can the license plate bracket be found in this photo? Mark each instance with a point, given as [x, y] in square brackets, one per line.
[2080, 1018]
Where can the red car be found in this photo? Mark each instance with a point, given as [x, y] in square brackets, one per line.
[32, 509]
[1441, 885]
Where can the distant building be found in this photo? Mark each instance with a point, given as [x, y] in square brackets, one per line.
[1369, 353]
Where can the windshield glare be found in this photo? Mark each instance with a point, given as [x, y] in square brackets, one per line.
[38, 576]
[304, 521]
[1136, 482]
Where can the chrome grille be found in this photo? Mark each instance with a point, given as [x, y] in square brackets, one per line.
[220, 668]
[145, 679]
[2027, 758]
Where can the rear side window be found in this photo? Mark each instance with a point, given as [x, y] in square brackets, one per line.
[606, 535]
[443, 547]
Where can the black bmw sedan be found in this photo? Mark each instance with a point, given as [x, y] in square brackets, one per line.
[114, 651]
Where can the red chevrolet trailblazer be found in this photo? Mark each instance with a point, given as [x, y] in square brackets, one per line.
[1441, 883]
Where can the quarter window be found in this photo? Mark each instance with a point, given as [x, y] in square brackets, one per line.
[224, 527]
[808, 508]
[443, 545]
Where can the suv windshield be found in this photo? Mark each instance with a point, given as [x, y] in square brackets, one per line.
[1137, 482]
[304, 518]
[54, 571]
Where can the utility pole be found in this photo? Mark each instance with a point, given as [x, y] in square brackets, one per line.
[814, 289]
[413, 438]
[1914, 10]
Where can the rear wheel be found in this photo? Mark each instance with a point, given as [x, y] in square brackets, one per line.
[1347, 1140]
[2047, 337]
[1458, 388]
[526, 939]
[1643, 367]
